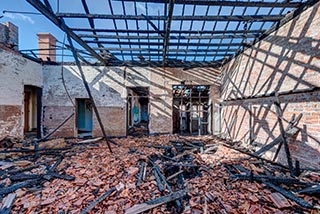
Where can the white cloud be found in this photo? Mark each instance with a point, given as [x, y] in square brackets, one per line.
[18, 16]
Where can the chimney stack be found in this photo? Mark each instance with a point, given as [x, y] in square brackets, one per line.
[9, 35]
[47, 47]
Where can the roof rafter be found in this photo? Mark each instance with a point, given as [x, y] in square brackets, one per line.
[226, 3]
[189, 18]
[168, 28]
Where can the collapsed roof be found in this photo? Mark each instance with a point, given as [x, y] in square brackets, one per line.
[166, 30]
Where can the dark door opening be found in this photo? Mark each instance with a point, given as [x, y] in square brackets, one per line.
[137, 111]
[32, 111]
[191, 109]
[84, 117]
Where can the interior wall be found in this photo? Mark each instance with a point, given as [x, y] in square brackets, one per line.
[109, 88]
[286, 61]
[15, 72]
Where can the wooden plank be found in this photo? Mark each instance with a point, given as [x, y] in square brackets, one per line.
[139, 208]
[7, 203]
[279, 200]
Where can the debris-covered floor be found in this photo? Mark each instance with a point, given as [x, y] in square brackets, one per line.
[162, 174]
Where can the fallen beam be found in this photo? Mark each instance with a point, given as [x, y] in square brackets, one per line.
[139, 208]
[7, 203]
[98, 200]
[289, 195]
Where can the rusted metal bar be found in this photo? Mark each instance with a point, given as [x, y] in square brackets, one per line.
[167, 34]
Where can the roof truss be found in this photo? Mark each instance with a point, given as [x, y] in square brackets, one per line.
[166, 30]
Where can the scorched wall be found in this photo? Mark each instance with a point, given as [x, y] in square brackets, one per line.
[287, 60]
[15, 73]
[109, 88]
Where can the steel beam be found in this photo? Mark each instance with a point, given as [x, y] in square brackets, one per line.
[164, 18]
[59, 23]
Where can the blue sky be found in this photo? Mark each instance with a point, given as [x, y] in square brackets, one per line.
[29, 24]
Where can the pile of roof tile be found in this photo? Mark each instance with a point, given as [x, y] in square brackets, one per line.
[163, 174]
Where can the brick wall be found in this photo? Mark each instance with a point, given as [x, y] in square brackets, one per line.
[15, 72]
[286, 61]
[108, 86]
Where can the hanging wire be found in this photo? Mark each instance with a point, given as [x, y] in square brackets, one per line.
[62, 72]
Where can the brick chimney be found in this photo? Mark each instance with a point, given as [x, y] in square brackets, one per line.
[47, 47]
[9, 35]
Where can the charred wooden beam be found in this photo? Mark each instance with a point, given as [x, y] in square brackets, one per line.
[98, 200]
[264, 18]
[222, 36]
[153, 26]
[285, 4]
[167, 34]
[170, 54]
[289, 195]
[7, 203]
[200, 50]
[261, 178]
[86, 85]
[315, 189]
[139, 208]
[210, 32]
[171, 44]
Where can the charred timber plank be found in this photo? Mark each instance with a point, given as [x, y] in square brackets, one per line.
[14, 187]
[7, 203]
[139, 208]
[261, 178]
[289, 195]
[141, 173]
[33, 150]
[164, 18]
[159, 183]
[98, 200]
[315, 189]
[23, 177]
[51, 175]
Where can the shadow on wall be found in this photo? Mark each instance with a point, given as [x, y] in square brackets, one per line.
[284, 62]
[108, 86]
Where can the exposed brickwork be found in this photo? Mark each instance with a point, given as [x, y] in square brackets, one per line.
[10, 121]
[288, 59]
[9, 35]
[53, 116]
[108, 86]
[47, 46]
[114, 121]
[15, 73]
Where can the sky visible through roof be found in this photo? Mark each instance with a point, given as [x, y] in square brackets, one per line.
[150, 49]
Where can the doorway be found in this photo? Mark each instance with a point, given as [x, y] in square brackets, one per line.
[191, 110]
[32, 111]
[84, 117]
[137, 111]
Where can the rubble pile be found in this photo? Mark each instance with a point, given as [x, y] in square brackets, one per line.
[155, 174]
